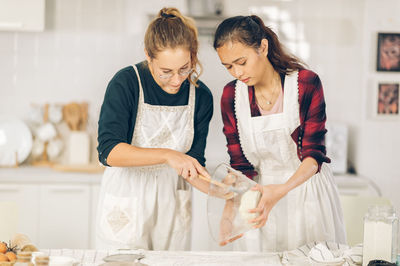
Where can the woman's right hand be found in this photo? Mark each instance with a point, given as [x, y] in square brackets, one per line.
[185, 165]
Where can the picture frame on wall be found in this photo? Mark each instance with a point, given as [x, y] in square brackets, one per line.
[386, 102]
[388, 54]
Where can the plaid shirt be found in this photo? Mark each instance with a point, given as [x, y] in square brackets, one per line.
[311, 129]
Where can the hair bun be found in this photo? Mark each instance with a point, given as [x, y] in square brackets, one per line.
[164, 14]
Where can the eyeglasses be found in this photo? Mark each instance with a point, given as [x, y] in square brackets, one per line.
[183, 72]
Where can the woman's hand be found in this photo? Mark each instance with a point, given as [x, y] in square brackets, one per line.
[225, 231]
[226, 226]
[185, 165]
[270, 195]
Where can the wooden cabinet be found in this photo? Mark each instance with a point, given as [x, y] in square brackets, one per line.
[22, 15]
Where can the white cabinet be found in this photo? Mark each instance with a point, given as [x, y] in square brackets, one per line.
[95, 199]
[56, 209]
[64, 216]
[26, 198]
[22, 15]
[355, 185]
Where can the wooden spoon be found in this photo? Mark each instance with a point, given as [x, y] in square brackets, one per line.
[84, 116]
[72, 115]
[212, 181]
[224, 195]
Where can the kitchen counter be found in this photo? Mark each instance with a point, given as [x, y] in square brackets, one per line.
[168, 258]
[229, 258]
[29, 174]
[351, 184]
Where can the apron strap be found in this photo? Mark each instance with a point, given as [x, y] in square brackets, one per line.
[141, 97]
[292, 101]
[243, 118]
[245, 123]
[191, 106]
[192, 92]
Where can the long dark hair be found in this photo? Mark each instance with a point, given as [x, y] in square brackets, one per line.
[250, 30]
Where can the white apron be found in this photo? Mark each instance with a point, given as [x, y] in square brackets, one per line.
[149, 207]
[310, 212]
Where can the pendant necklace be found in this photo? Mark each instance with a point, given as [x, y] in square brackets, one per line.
[269, 102]
[265, 100]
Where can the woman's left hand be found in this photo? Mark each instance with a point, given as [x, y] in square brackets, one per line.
[270, 195]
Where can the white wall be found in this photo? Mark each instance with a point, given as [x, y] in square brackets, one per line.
[377, 141]
[87, 41]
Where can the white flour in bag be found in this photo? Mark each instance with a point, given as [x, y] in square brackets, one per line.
[249, 201]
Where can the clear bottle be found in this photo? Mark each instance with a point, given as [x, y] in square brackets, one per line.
[42, 260]
[380, 234]
[24, 259]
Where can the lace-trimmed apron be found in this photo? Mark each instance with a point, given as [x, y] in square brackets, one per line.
[310, 212]
[149, 207]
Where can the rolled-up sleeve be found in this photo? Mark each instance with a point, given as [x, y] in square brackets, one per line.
[115, 119]
[311, 135]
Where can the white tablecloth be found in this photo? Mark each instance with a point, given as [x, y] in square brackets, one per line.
[193, 258]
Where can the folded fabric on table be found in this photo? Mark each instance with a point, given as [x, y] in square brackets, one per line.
[323, 253]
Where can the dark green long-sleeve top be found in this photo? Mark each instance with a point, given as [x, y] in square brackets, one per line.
[119, 109]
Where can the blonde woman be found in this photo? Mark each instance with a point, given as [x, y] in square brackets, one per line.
[152, 134]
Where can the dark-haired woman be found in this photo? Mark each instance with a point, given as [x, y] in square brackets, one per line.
[152, 134]
[274, 122]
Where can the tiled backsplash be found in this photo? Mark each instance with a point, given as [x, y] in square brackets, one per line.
[85, 42]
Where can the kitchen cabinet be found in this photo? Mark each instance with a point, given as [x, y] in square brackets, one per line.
[64, 216]
[95, 192]
[22, 15]
[355, 185]
[25, 196]
[56, 209]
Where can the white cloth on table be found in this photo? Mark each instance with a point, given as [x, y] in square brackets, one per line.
[298, 257]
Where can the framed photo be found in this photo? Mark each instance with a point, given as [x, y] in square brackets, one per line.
[388, 58]
[387, 100]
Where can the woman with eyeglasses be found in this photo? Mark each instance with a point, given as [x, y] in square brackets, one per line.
[152, 135]
[274, 122]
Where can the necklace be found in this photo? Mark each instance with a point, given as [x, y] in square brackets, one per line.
[264, 99]
[267, 102]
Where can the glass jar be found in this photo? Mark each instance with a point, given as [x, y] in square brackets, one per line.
[380, 234]
[24, 259]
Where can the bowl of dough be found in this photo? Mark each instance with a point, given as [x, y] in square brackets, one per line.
[229, 200]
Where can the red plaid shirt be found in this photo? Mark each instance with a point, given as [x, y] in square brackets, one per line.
[311, 129]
